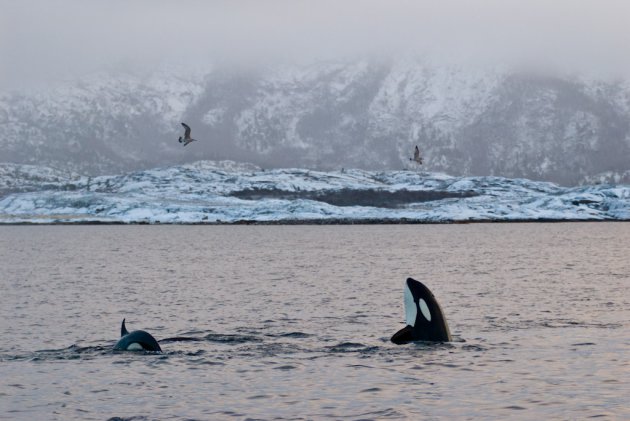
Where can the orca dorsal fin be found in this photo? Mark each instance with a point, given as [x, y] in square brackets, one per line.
[123, 329]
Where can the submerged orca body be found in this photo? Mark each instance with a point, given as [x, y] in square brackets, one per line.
[423, 315]
[138, 340]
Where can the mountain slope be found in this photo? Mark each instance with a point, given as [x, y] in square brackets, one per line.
[362, 114]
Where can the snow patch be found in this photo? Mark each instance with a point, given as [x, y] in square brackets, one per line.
[206, 191]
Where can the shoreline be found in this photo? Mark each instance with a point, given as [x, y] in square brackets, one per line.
[321, 222]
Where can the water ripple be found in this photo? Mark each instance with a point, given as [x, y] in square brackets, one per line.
[293, 322]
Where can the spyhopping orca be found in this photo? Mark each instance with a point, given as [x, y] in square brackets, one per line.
[186, 139]
[138, 340]
[424, 317]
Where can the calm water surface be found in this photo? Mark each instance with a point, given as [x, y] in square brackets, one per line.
[293, 322]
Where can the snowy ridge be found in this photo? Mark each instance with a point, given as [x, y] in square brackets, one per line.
[20, 178]
[230, 192]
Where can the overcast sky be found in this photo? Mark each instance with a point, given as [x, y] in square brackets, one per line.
[44, 40]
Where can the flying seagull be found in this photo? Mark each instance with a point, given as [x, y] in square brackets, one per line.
[416, 156]
[186, 139]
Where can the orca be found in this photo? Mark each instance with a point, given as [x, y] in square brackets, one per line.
[138, 340]
[423, 315]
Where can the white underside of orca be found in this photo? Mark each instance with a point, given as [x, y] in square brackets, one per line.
[410, 307]
[135, 346]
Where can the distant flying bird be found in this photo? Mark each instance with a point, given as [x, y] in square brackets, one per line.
[416, 156]
[186, 139]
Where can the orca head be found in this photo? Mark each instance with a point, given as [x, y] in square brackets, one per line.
[423, 316]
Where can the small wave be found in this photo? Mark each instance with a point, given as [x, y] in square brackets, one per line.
[230, 414]
[346, 346]
[285, 367]
[351, 347]
[260, 397]
[181, 339]
[294, 335]
[132, 418]
[563, 323]
[388, 413]
[431, 345]
[442, 364]
[470, 347]
[268, 350]
[197, 353]
[515, 407]
[231, 339]
[506, 325]
[73, 352]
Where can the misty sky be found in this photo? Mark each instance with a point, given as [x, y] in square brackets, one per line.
[42, 41]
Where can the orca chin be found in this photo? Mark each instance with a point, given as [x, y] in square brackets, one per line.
[424, 317]
[138, 340]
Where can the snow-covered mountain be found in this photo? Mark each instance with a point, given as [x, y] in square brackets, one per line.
[230, 192]
[328, 116]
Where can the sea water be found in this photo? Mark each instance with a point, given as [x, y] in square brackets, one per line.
[294, 322]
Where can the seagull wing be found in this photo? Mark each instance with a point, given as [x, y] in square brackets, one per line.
[187, 132]
[416, 154]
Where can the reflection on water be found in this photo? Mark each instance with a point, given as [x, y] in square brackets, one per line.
[294, 321]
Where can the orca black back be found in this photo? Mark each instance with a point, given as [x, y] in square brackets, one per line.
[136, 340]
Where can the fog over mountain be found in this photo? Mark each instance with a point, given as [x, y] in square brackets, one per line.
[509, 88]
